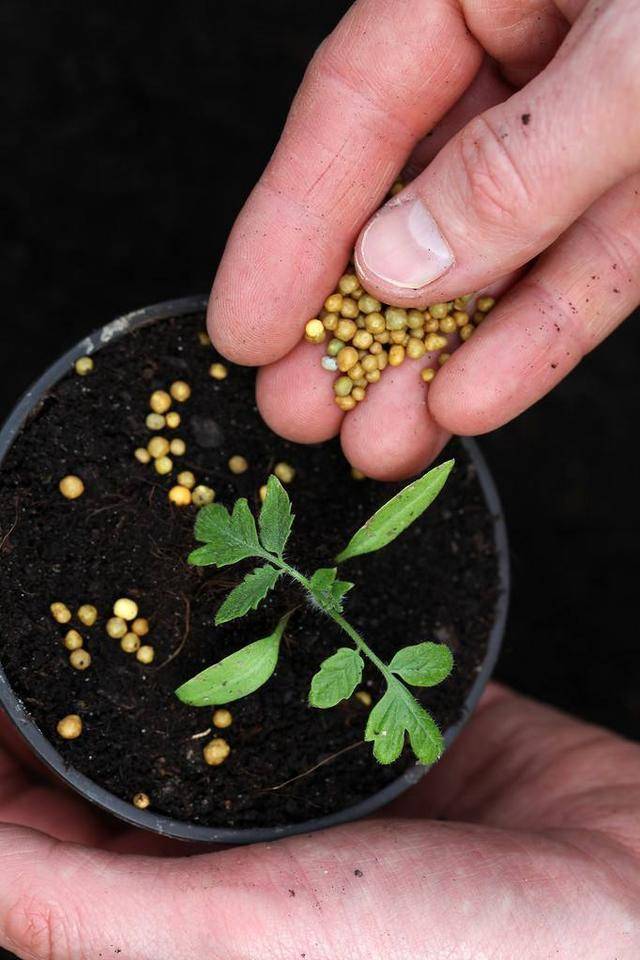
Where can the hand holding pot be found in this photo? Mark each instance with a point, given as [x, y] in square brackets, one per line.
[539, 856]
[537, 153]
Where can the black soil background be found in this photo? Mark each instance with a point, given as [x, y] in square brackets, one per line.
[130, 137]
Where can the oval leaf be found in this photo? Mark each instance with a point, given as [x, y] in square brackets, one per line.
[275, 517]
[238, 675]
[424, 664]
[398, 513]
[336, 679]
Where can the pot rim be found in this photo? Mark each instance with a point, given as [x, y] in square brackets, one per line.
[183, 830]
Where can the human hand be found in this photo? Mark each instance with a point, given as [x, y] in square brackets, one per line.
[539, 856]
[539, 156]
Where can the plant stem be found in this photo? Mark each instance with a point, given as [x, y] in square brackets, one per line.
[361, 644]
[337, 618]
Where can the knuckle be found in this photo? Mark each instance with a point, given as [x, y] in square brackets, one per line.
[617, 242]
[366, 91]
[40, 929]
[326, 64]
[496, 189]
[557, 314]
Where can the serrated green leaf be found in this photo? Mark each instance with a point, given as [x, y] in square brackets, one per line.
[276, 517]
[337, 678]
[243, 523]
[248, 594]
[396, 714]
[238, 675]
[209, 521]
[229, 538]
[327, 590]
[203, 556]
[424, 664]
[322, 581]
[339, 589]
[398, 513]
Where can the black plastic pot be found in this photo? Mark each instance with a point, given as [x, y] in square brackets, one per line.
[166, 825]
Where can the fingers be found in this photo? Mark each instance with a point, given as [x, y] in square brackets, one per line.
[488, 89]
[391, 435]
[579, 291]
[295, 396]
[514, 178]
[379, 889]
[377, 84]
[522, 35]
[59, 901]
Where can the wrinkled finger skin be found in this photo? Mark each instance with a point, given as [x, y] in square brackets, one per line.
[391, 436]
[349, 132]
[583, 287]
[515, 126]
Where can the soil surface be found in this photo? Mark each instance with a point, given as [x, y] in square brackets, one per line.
[123, 538]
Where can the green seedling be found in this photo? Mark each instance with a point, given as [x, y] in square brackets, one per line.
[228, 538]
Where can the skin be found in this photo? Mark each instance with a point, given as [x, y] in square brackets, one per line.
[516, 123]
[523, 842]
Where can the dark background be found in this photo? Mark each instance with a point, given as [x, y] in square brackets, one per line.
[131, 136]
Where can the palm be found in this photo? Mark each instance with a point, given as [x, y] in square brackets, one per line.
[538, 857]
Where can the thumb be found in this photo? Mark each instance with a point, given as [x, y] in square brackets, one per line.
[515, 177]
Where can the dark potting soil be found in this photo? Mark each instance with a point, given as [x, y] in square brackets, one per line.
[124, 538]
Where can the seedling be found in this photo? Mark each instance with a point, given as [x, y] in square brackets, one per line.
[228, 538]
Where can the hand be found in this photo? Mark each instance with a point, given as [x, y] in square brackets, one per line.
[538, 154]
[539, 857]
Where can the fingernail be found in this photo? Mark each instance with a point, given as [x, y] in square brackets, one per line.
[402, 245]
